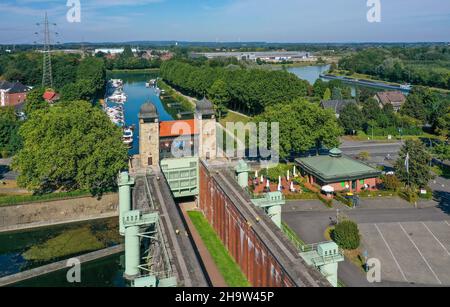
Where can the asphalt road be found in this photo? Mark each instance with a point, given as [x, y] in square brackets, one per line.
[378, 151]
[311, 226]
[5, 170]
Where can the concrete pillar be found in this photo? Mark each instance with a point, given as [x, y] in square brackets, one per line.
[242, 170]
[330, 271]
[125, 183]
[275, 214]
[132, 252]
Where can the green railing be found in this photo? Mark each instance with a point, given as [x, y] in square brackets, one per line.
[292, 236]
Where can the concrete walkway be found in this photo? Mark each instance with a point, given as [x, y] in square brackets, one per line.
[216, 278]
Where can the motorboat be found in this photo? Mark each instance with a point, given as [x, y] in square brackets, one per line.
[127, 136]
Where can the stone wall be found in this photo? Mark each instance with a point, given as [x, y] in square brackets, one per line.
[58, 211]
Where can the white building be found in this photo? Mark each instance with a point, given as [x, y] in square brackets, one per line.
[112, 50]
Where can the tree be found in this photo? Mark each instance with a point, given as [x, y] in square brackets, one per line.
[127, 53]
[351, 118]
[70, 147]
[346, 235]
[443, 124]
[219, 95]
[337, 93]
[371, 109]
[303, 126]
[419, 164]
[327, 95]
[10, 140]
[35, 101]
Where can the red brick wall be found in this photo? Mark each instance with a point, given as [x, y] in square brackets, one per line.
[15, 99]
[371, 182]
[244, 245]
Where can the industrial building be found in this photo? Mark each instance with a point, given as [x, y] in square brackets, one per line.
[274, 56]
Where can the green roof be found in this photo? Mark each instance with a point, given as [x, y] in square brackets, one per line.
[331, 169]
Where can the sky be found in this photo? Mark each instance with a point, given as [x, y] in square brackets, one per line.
[294, 21]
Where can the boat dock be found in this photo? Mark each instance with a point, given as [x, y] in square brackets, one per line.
[368, 83]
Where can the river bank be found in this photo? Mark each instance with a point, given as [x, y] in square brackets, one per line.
[39, 214]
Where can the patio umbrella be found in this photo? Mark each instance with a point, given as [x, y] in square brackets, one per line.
[328, 189]
[279, 180]
[295, 171]
[288, 175]
[256, 174]
[262, 179]
[292, 187]
[268, 184]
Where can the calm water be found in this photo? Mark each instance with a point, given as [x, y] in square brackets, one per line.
[102, 272]
[106, 272]
[309, 73]
[312, 73]
[138, 94]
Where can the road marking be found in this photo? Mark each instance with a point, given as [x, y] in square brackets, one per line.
[447, 223]
[390, 251]
[420, 253]
[440, 243]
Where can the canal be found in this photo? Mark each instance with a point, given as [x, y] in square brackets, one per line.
[25, 250]
[138, 94]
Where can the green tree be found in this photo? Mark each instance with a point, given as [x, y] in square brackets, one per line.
[219, 95]
[127, 53]
[327, 95]
[419, 164]
[35, 101]
[443, 124]
[10, 140]
[351, 118]
[337, 93]
[70, 147]
[303, 126]
[346, 235]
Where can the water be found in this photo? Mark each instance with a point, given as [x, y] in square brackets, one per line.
[312, 74]
[14, 244]
[309, 73]
[105, 272]
[138, 94]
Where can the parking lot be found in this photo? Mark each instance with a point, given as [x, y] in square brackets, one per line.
[411, 252]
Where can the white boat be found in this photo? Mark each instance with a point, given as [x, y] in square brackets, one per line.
[127, 136]
[406, 87]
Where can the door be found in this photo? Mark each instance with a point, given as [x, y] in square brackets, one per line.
[150, 161]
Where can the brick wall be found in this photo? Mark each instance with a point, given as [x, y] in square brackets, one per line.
[255, 260]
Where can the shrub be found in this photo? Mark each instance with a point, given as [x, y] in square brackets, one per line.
[410, 195]
[346, 235]
[344, 200]
[391, 182]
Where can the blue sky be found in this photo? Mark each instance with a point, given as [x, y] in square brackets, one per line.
[230, 20]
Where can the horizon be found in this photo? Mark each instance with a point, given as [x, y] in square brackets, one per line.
[228, 21]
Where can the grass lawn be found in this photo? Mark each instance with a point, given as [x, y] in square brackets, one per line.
[227, 266]
[233, 117]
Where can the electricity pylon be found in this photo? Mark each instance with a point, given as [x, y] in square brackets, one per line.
[47, 77]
